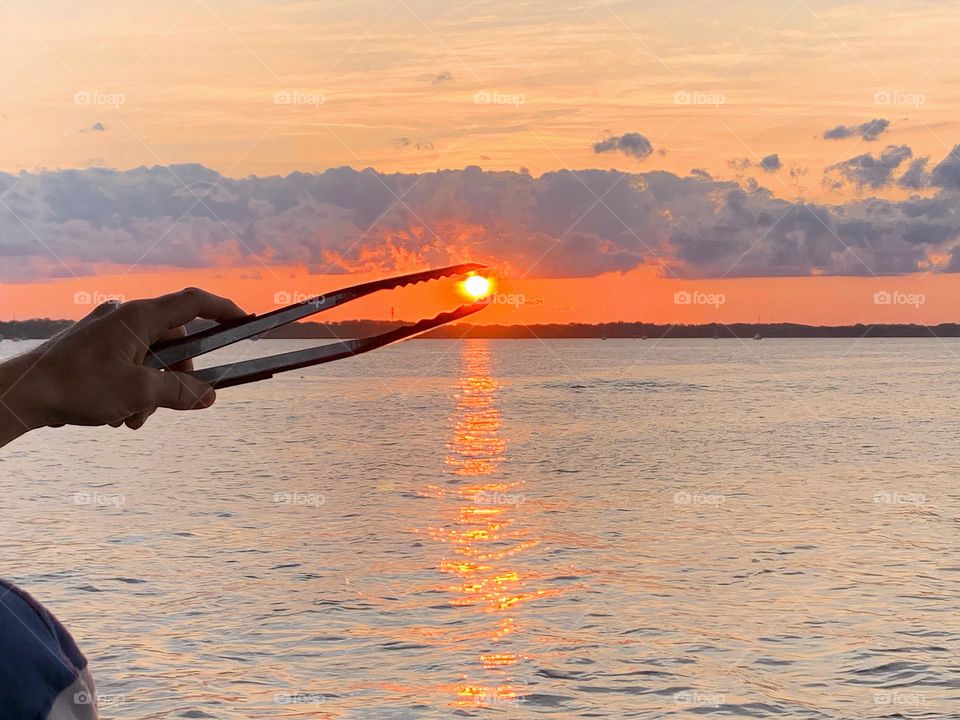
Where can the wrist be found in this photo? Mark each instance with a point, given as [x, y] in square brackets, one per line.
[25, 397]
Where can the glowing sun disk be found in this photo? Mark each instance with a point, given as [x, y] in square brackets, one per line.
[477, 286]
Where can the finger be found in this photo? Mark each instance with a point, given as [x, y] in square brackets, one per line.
[180, 308]
[183, 366]
[174, 334]
[135, 422]
[175, 390]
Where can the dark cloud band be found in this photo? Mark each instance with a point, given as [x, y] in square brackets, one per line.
[561, 224]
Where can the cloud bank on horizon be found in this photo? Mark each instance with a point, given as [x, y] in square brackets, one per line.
[561, 224]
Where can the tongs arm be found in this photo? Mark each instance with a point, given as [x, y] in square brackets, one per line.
[246, 371]
[171, 352]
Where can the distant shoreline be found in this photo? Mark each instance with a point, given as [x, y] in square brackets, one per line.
[41, 329]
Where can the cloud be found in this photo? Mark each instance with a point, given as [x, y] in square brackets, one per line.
[873, 171]
[55, 224]
[437, 78]
[867, 131]
[402, 142]
[633, 144]
[771, 162]
[947, 173]
[916, 176]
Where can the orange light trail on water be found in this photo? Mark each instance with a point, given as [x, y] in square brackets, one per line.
[478, 527]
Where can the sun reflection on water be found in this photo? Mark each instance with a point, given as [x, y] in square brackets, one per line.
[481, 534]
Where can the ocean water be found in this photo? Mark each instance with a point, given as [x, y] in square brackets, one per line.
[517, 529]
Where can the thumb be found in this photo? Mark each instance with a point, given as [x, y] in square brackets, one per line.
[178, 390]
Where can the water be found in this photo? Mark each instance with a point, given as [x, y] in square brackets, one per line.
[517, 529]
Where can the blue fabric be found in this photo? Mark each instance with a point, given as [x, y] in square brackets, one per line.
[38, 658]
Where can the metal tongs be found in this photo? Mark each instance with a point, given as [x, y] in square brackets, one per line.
[166, 354]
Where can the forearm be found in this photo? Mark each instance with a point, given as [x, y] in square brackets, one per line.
[23, 405]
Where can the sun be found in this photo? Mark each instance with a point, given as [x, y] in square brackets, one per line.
[477, 286]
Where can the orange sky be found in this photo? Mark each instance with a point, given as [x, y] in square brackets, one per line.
[182, 81]
[637, 295]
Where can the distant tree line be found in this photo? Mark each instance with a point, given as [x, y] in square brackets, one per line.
[45, 328]
[38, 329]
[636, 330]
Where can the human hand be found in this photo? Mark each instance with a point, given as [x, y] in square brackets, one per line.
[93, 372]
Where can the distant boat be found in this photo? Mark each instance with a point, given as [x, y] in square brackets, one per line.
[604, 336]
[757, 337]
[643, 337]
[716, 334]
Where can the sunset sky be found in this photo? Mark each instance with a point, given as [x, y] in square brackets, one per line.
[664, 161]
